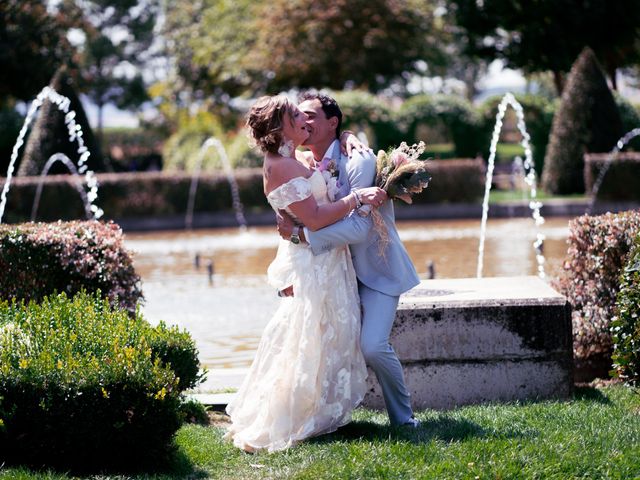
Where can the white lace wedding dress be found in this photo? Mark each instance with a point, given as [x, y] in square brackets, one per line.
[308, 373]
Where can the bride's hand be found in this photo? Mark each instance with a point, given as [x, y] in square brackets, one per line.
[372, 196]
[349, 142]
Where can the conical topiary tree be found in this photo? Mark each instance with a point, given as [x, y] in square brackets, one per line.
[587, 121]
[50, 135]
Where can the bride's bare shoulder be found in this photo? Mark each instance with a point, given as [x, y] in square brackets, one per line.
[280, 170]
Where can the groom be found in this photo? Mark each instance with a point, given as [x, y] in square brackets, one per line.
[380, 280]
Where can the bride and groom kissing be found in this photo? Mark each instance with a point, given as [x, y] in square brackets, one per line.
[341, 294]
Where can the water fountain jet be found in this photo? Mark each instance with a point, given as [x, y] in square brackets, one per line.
[75, 134]
[66, 161]
[213, 142]
[620, 144]
[530, 179]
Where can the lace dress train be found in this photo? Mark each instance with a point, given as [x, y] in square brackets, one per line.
[308, 373]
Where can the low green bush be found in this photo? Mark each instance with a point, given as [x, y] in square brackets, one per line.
[625, 327]
[598, 250]
[176, 348]
[38, 259]
[133, 149]
[81, 387]
[453, 116]
[363, 111]
[621, 181]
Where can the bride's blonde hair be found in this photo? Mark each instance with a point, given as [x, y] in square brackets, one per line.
[265, 120]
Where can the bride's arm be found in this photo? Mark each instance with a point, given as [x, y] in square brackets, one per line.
[315, 216]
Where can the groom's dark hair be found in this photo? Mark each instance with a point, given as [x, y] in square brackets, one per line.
[329, 105]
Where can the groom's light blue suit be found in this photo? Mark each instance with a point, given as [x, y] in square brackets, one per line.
[381, 280]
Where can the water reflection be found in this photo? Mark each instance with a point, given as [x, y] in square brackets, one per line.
[227, 317]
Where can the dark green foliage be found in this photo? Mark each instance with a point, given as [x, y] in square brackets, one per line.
[81, 387]
[538, 116]
[177, 349]
[10, 123]
[587, 121]
[39, 259]
[135, 195]
[598, 250]
[50, 134]
[454, 115]
[621, 181]
[547, 35]
[625, 327]
[133, 149]
[194, 412]
[364, 112]
[33, 42]
[452, 181]
[630, 117]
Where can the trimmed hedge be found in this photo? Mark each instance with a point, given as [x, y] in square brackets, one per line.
[622, 179]
[587, 121]
[625, 327]
[598, 250]
[82, 388]
[158, 194]
[37, 260]
[134, 195]
[455, 180]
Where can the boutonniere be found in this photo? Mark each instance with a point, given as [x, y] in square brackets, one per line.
[329, 169]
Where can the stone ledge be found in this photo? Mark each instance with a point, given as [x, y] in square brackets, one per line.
[467, 341]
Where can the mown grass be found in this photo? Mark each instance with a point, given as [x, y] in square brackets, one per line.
[497, 196]
[594, 435]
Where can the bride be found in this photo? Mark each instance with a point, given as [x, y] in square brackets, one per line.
[308, 373]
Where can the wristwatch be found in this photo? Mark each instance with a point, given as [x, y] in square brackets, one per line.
[295, 236]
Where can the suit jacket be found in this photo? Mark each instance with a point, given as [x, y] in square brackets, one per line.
[392, 274]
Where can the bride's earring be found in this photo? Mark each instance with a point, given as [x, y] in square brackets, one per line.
[286, 148]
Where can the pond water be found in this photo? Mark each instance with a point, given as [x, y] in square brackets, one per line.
[227, 315]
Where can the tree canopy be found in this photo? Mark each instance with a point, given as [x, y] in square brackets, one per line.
[33, 44]
[548, 35]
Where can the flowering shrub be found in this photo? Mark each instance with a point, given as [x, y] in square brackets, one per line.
[625, 326]
[37, 259]
[81, 386]
[598, 249]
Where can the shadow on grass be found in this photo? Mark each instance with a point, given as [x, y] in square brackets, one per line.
[592, 394]
[175, 466]
[442, 428]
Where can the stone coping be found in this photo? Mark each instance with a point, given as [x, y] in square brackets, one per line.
[471, 293]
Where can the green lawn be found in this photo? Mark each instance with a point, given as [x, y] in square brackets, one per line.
[594, 435]
[497, 196]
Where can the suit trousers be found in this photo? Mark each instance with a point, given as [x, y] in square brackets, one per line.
[378, 315]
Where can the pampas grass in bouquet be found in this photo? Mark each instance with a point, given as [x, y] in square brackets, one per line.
[401, 174]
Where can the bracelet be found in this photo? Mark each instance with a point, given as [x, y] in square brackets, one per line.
[358, 200]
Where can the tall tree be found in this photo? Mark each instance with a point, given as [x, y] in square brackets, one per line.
[33, 45]
[209, 43]
[118, 41]
[547, 35]
[338, 43]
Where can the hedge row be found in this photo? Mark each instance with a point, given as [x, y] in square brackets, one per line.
[621, 180]
[84, 386]
[157, 194]
[598, 250]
